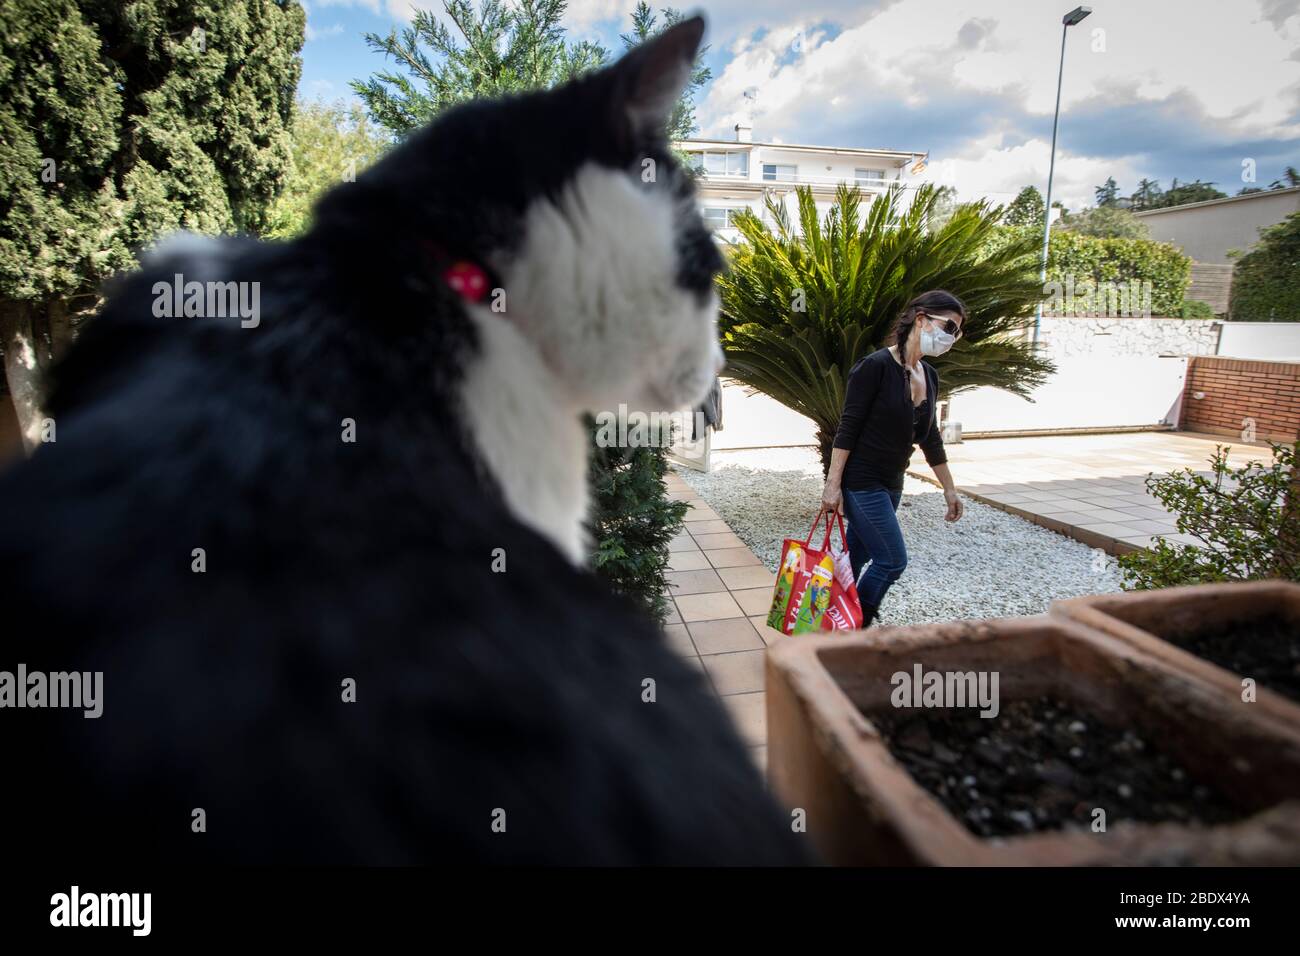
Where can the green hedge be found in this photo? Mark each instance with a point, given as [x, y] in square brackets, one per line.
[1091, 259]
[1266, 281]
[633, 521]
[1121, 261]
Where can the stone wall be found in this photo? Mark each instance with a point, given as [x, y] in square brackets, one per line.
[1071, 337]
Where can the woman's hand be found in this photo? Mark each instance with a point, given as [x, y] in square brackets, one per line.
[955, 508]
[832, 500]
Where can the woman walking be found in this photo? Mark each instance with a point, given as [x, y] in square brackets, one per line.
[889, 408]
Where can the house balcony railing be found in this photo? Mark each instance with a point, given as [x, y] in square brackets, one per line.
[727, 179]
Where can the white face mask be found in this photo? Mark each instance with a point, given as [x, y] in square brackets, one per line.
[935, 341]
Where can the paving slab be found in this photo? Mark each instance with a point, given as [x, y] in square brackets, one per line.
[1088, 487]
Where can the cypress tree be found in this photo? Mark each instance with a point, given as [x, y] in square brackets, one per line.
[119, 123]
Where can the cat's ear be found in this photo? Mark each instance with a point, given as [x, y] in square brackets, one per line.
[650, 79]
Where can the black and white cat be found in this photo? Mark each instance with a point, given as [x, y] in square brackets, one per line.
[243, 523]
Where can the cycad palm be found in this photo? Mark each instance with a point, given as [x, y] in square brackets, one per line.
[800, 308]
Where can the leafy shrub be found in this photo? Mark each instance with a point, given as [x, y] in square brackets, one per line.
[1196, 309]
[1093, 260]
[1026, 209]
[632, 522]
[1122, 260]
[1247, 520]
[1107, 222]
[1266, 281]
[331, 142]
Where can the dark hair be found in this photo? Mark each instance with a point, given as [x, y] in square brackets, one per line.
[936, 300]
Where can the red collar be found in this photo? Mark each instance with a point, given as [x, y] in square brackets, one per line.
[466, 278]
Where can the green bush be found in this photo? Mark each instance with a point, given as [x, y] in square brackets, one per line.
[1083, 257]
[1196, 309]
[632, 522]
[1266, 281]
[1247, 521]
[331, 142]
[1107, 222]
[1078, 261]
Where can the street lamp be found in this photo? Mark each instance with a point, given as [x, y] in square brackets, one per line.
[1070, 19]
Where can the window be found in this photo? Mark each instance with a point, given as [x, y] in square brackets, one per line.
[868, 177]
[776, 173]
[714, 163]
[720, 217]
[715, 217]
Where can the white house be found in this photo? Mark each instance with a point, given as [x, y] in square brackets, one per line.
[736, 174]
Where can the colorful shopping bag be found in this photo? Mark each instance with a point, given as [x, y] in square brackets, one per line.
[791, 567]
[814, 588]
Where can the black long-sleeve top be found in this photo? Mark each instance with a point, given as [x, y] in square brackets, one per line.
[880, 426]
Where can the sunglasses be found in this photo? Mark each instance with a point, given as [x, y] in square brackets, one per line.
[948, 325]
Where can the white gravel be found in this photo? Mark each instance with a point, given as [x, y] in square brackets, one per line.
[988, 564]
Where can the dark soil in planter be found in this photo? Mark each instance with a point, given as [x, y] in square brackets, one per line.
[1044, 764]
[1267, 649]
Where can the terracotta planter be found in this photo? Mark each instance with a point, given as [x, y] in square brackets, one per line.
[864, 808]
[1147, 620]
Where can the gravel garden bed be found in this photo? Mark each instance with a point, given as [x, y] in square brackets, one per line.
[988, 564]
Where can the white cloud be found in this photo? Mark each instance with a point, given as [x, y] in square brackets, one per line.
[320, 90]
[1230, 63]
[374, 6]
[333, 30]
[989, 169]
[581, 15]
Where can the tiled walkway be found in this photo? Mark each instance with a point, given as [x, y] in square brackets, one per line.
[720, 593]
[1089, 487]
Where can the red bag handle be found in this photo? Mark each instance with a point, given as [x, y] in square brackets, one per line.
[807, 542]
[826, 542]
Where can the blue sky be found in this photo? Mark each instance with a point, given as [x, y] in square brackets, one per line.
[1153, 88]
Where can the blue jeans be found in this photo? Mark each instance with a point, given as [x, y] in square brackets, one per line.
[875, 541]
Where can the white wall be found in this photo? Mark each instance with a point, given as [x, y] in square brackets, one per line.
[757, 421]
[1110, 374]
[1261, 340]
[1086, 392]
[817, 168]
